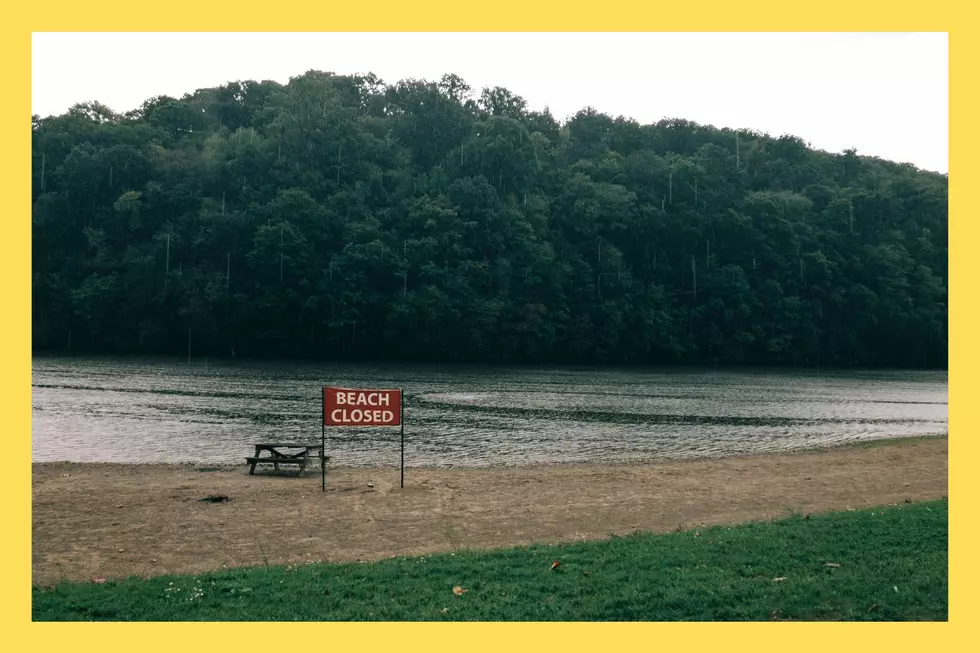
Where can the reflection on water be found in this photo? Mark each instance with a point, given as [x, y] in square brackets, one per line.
[166, 411]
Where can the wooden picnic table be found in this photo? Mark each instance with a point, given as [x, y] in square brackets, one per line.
[277, 456]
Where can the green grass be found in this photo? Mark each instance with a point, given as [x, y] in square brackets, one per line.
[892, 566]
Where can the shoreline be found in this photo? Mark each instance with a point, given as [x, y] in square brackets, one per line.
[227, 466]
[179, 359]
[112, 520]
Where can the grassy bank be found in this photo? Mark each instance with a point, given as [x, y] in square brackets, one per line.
[878, 564]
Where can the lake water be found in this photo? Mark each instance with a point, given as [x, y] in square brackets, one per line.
[134, 411]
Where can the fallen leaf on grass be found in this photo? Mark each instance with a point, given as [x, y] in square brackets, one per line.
[831, 564]
[780, 578]
[445, 610]
[555, 564]
[458, 591]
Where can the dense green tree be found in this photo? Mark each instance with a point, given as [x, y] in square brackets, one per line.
[337, 217]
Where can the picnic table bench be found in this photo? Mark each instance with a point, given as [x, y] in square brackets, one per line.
[278, 457]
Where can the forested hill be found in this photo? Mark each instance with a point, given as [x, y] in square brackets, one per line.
[341, 218]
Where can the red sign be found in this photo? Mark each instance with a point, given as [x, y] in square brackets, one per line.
[346, 407]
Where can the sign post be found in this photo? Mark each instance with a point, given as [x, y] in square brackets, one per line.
[402, 420]
[348, 407]
[323, 443]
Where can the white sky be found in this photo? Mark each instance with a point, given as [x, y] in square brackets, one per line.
[884, 94]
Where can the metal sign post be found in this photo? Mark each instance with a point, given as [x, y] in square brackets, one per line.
[401, 401]
[323, 441]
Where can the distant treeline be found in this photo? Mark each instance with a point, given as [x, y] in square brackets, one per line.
[339, 217]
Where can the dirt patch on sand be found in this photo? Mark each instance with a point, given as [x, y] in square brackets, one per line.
[112, 521]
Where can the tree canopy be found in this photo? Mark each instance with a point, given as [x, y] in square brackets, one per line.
[339, 217]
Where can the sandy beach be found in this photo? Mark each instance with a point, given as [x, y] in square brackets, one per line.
[113, 520]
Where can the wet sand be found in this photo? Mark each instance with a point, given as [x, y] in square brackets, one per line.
[93, 520]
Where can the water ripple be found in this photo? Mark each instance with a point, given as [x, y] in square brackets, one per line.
[143, 410]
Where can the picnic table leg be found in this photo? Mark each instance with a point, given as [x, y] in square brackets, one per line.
[251, 469]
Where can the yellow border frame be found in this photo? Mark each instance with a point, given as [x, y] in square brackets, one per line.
[503, 15]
